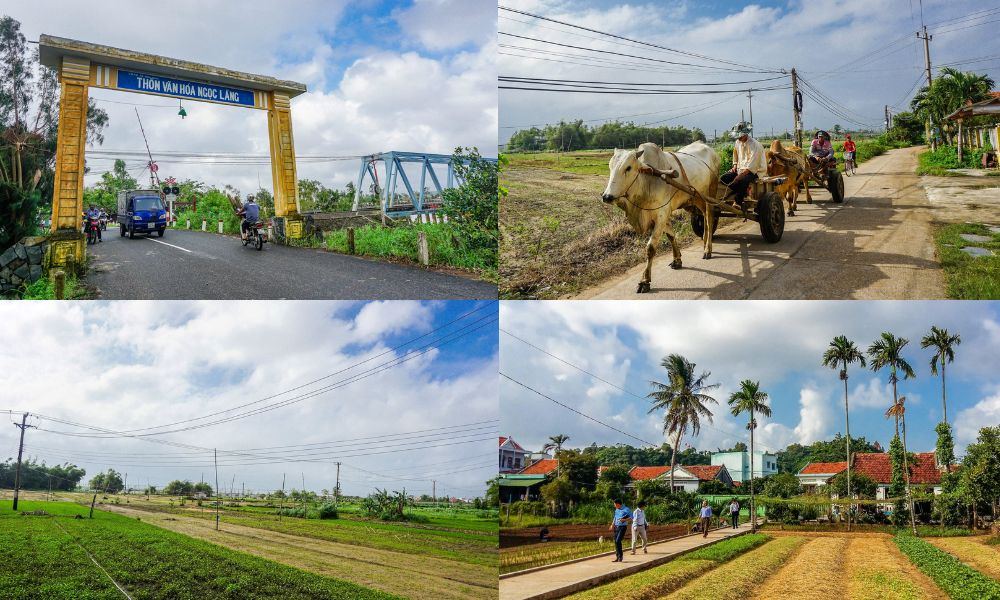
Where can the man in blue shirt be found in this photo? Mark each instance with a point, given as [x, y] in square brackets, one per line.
[250, 213]
[620, 524]
[706, 517]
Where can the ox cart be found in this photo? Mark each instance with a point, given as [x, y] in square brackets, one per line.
[762, 204]
[828, 178]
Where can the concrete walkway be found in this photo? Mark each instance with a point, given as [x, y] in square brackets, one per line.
[578, 575]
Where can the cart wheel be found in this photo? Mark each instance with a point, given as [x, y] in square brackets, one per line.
[698, 224]
[835, 185]
[771, 216]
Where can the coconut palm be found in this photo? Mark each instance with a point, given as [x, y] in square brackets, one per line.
[684, 399]
[887, 351]
[841, 353]
[555, 443]
[750, 399]
[944, 344]
[898, 410]
[960, 88]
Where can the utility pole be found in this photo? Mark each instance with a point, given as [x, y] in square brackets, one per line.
[215, 457]
[20, 451]
[282, 509]
[243, 490]
[125, 485]
[750, 99]
[887, 117]
[434, 493]
[336, 488]
[796, 108]
[927, 67]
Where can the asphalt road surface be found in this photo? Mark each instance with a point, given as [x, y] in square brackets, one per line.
[876, 245]
[192, 265]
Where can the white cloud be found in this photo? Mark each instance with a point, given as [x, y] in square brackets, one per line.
[984, 413]
[444, 24]
[815, 415]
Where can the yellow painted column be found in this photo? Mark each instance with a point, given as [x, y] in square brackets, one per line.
[67, 241]
[283, 174]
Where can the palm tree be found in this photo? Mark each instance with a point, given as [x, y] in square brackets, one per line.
[944, 344]
[898, 410]
[750, 399]
[683, 398]
[841, 353]
[887, 351]
[960, 88]
[555, 443]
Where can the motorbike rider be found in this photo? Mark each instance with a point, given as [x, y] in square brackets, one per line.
[93, 213]
[250, 213]
[749, 162]
[821, 150]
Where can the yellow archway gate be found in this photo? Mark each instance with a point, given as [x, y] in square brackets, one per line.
[82, 65]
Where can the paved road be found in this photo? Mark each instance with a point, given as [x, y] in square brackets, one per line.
[185, 265]
[575, 576]
[876, 245]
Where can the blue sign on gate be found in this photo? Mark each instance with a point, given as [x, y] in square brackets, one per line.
[168, 86]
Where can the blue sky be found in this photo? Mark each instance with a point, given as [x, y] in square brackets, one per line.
[778, 343]
[129, 365]
[412, 75]
[862, 54]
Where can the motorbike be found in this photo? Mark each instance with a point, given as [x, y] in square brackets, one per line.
[256, 236]
[93, 224]
[104, 223]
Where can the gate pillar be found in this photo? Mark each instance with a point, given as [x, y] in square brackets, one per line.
[286, 205]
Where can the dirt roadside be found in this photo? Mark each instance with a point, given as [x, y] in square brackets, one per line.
[876, 245]
[407, 575]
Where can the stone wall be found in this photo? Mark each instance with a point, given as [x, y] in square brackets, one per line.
[22, 263]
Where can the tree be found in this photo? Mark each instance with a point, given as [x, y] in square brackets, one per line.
[887, 351]
[841, 353]
[472, 207]
[750, 399]
[962, 88]
[579, 468]
[559, 493]
[714, 486]
[613, 480]
[555, 443]
[837, 129]
[862, 486]
[683, 398]
[898, 410]
[108, 482]
[782, 485]
[178, 488]
[28, 145]
[493, 493]
[944, 344]
[980, 474]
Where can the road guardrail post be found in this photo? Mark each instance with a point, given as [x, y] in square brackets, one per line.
[422, 249]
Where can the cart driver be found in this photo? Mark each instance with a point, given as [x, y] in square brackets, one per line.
[749, 162]
[821, 150]
[250, 213]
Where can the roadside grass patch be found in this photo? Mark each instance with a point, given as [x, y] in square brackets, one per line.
[147, 561]
[738, 578]
[957, 579]
[938, 162]
[444, 246]
[969, 277]
[656, 582]
[44, 289]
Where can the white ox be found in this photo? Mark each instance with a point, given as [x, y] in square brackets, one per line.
[648, 201]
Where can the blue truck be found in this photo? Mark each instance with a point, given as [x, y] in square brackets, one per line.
[141, 211]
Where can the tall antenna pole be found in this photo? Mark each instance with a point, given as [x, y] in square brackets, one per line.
[153, 175]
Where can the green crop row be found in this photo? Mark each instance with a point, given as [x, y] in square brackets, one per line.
[958, 580]
[42, 556]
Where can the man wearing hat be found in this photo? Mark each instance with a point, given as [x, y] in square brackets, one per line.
[749, 162]
[821, 150]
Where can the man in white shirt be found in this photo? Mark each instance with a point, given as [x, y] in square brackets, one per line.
[749, 161]
[639, 526]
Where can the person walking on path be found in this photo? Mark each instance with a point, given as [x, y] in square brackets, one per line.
[619, 525]
[734, 513]
[639, 527]
[706, 517]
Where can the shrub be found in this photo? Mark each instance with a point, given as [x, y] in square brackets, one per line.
[327, 510]
[957, 579]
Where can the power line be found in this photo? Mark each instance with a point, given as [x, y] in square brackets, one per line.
[634, 41]
[571, 409]
[547, 81]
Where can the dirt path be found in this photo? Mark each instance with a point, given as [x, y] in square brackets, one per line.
[877, 245]
[815, 572]
[394, 572]
[972, 552]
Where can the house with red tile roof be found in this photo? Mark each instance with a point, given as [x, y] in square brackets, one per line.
[878, 466]
[513, 457]
[686, 477]
[546, 466]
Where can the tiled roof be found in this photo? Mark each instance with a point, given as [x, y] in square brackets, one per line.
[704, 472]
[504, 439]
[644, 473]
[541, 467]
[879, 467]
[824, 468]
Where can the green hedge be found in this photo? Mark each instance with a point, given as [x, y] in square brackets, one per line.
[957, 579]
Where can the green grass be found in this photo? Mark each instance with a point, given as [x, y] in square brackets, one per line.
[583, 162]
[958, 580]
[938, 162]
[737, 578]
[401, 242]
[881, 584]
[969, 277]
[447, 538]
[43, 289]
[39, 559]
[665, 578]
